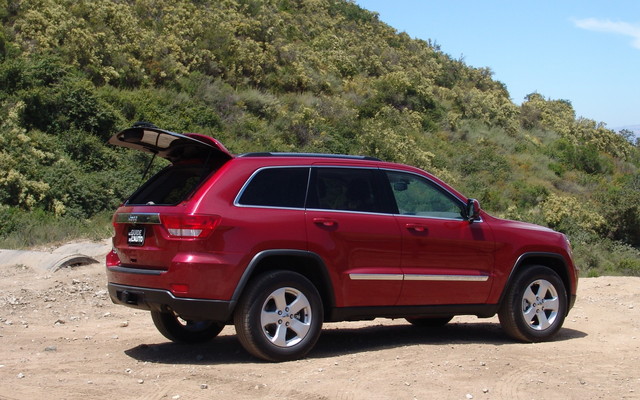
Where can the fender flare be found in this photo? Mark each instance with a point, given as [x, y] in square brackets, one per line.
[265, 254]
[561, 263]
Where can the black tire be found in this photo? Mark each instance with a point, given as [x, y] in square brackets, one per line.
[179, 330]
[266, 326]
[430, 322]
[534, 306]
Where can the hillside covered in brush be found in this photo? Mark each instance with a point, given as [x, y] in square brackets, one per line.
[287, 75]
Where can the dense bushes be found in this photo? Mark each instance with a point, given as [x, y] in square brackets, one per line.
[283, 75]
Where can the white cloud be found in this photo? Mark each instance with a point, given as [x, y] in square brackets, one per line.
[622, 28]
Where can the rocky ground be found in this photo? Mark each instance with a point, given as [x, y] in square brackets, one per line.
[62, 338]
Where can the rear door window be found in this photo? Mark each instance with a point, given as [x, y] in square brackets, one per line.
[276, 187]
[347, 189]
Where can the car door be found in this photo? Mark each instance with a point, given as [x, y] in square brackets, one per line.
[350, 227]
[445, 258]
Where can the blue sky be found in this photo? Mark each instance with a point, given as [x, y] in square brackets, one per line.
[587, 52]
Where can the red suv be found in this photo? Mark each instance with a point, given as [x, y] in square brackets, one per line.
[279, 243]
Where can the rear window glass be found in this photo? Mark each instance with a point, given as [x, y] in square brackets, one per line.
[277, 187]
[171, 185]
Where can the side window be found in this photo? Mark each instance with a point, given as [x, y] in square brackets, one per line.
[417, 196]
[345, 189]
[277, 187]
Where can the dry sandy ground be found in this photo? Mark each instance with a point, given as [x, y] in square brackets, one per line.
[61, 338]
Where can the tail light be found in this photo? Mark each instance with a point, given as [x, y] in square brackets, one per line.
[189, 226]
[112, 259]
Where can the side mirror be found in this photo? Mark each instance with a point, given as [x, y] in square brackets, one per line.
[473, 210]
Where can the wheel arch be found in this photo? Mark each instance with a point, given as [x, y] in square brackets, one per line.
[554, 261]
[306, 263]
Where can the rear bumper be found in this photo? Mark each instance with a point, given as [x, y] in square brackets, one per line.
[163, 301]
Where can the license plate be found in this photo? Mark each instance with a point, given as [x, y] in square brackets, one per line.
[135, 236]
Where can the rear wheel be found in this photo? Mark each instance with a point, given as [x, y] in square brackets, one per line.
[180, 330]
[429, 322]
[279, 317]
[535, 305]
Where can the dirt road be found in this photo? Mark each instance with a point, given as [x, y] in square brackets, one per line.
[61, 338]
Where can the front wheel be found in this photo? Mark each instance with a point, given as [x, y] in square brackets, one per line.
[180, 330]
[535, 305]
[279, 317]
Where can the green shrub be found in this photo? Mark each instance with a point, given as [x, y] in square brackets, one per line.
[72, 104]
[620, 205]
[20, 229]
[595, 256]
[568, 214]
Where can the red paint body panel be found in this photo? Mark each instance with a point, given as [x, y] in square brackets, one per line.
[358, 244]
[445, 248]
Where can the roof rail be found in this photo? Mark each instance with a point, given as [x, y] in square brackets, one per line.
[322, 155]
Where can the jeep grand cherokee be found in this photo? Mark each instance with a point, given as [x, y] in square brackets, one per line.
[277, 244]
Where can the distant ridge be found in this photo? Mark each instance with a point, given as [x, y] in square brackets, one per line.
[633, 128]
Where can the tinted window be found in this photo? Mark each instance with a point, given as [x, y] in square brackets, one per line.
[417, 196]
[347, 189]
[171, 185]
[277, 187]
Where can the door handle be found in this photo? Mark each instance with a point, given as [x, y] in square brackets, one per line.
[416, 227]
[330, 223]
